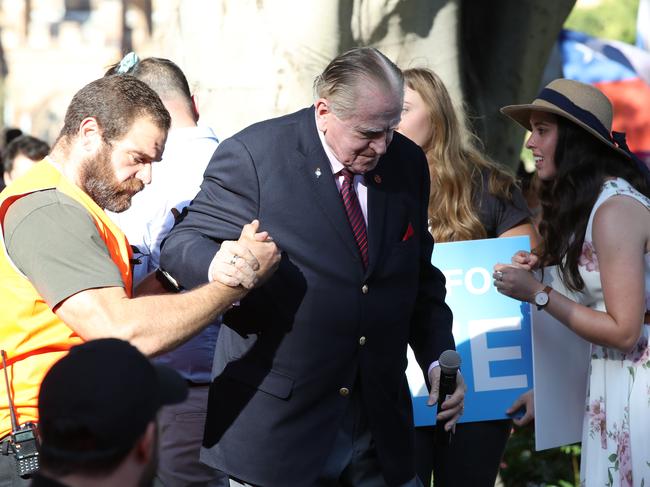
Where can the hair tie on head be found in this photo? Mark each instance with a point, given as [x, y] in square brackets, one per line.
[127, 62]
[619, 139]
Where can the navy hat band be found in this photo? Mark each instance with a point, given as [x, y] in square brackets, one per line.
[617, 139]
[561, 101]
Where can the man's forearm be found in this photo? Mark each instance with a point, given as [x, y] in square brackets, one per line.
[166, 321]
[155, 323]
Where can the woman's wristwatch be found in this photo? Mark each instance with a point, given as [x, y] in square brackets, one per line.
[541, 297]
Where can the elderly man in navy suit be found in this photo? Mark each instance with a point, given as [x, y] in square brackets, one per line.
[308, 380]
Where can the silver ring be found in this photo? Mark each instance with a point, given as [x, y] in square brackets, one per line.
[233, 259]
[499, 275]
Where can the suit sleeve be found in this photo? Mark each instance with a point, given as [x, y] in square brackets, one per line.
[228, 199]
[431, 322]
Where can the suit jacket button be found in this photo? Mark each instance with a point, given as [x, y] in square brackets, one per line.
[364, 289]
[362, 340]
[344, 391]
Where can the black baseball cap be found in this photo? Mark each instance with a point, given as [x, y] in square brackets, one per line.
[103, 394]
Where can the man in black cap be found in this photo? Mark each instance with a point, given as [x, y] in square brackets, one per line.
[98, 408]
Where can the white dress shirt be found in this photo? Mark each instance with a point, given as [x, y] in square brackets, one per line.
[175, 181]
[359, 181]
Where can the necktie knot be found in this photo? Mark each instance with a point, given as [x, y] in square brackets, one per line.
[348, 175]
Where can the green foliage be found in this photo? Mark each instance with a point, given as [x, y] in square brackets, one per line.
[609, 19]
[523, 466]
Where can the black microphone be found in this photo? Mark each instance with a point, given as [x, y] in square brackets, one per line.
[449, 362]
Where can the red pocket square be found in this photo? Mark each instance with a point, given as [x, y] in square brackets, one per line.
[409, 233]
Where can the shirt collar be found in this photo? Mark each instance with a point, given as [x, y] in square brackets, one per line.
[335, 164]
[190, 133]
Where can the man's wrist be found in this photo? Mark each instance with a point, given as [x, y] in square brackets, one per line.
[212, 264]
[433, 365]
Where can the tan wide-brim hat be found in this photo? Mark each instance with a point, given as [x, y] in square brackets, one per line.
[581, 103]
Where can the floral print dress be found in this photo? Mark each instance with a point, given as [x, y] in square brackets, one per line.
[616, 429]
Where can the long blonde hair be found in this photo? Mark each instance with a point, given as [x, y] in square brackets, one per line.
[455, 164]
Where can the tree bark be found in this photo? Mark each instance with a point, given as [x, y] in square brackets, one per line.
[254, 59]
[506, 45]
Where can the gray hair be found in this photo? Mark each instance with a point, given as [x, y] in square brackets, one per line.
[344, 74]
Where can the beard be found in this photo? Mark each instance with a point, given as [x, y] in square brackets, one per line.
[98, 180]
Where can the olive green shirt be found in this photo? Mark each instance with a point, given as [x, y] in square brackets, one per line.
[53, 241]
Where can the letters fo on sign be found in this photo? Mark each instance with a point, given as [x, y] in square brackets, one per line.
[492, 331]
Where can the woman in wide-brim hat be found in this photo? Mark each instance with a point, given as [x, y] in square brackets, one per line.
[596, 227]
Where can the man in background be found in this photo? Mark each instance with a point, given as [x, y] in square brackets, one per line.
[65, 269]
[97, 409]
[175, 181]
[21, 154]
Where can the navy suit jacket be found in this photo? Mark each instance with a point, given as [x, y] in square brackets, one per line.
[292, 345]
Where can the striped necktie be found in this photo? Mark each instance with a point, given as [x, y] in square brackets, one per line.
[355, 216]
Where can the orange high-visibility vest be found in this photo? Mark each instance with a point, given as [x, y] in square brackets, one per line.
[31, 334]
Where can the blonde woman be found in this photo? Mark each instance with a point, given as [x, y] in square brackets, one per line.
[471, 198]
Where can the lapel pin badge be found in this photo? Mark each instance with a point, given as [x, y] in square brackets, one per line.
[317, 172]
[377, 179]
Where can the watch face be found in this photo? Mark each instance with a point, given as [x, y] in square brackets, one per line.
[541, 298]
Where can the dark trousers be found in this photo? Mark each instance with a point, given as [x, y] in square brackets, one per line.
[353, 461]
[472, 459]
[180, 435]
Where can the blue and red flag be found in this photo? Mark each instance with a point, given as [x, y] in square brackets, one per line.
[622, 72]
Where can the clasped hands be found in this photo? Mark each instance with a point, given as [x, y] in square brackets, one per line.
[247, 262]
[516, 279]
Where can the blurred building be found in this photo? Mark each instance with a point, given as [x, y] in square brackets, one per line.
[246, 60]
[51, 48]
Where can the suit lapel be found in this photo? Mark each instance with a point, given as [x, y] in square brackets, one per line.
[316, 172]
[377, 197]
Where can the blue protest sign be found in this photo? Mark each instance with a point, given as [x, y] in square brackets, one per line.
[492, 331]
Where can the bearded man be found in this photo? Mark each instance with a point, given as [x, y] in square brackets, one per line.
[65, 268]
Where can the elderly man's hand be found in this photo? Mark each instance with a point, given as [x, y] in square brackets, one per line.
[234, 265]
[246, 262]
[263, 248]
[452, 408]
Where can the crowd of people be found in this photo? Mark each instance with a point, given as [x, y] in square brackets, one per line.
[19, 154]
[179, 311]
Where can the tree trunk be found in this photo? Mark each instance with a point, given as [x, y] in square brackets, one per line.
[254, 59]
[505, 45]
